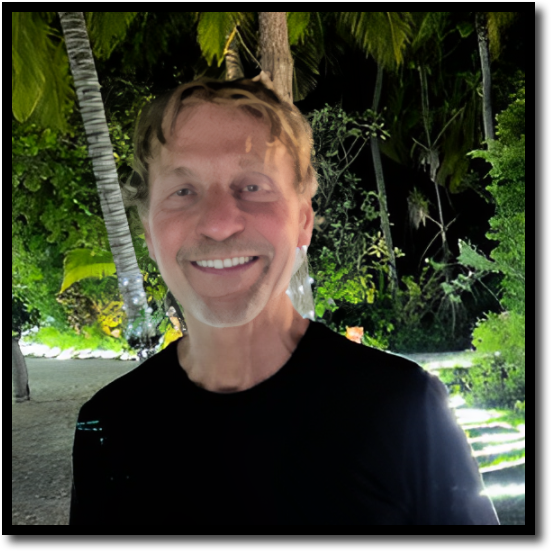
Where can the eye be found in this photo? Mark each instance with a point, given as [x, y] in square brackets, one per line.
[183, 192]
[258, 192]
[252, 187]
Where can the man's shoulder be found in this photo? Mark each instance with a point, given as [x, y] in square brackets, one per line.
[145, 382]
[335, 349]
[356, 374]
[357, 384]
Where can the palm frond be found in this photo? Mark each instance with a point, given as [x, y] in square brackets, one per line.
[383, 35]
[305, 70]
[498, 22]
[40, 85]
[307, 55]
[297, 23]
[148, 46]
[429, 27]
[213, 30]
[107, 29]
[57, 102]
[83, 263]
[29, 38]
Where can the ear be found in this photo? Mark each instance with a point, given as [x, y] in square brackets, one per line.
[148, 240]
[306, 225]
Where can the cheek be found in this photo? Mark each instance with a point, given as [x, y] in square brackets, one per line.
[168, 236]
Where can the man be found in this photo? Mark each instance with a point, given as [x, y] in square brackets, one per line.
[258, 415]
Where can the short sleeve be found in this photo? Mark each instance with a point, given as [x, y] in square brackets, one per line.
[89, 490]
[449, 484]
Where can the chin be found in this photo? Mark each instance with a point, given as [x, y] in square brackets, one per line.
[220, 315]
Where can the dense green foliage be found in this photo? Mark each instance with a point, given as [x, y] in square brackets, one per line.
[91, 338]
[55, 208]
[507, 157]
[499, 380]
[348, 256]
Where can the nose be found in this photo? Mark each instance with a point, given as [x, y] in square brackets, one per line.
[220, 216]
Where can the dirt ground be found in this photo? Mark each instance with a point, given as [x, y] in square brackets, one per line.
[43, 430]
[42, 434]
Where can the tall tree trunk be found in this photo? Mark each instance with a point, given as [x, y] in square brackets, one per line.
[234, 69]
[383, 207]
[101, 152]
[275, 54]
[276, 60]
[19, 373]
[483, 47]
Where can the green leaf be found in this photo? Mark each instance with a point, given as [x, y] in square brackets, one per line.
[382, 35]
[213, 30]
[465, 28]
[107, 29]
[40, 83]
[297, 23]
[27, 81]
[473, 259]
[320, 310]
[498, 22]
[82, 263]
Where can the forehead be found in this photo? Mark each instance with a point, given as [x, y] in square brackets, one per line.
[219, 137]
[218, 125]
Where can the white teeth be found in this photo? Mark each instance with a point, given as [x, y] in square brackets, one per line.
[226, 263]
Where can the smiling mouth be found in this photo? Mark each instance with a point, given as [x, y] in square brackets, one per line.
[224, 265]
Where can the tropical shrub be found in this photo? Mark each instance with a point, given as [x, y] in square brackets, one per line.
[499, 380]
[91, 337]
[348, 256]
[349, 259]
[55, 208]
[507, 226]
[496, 380]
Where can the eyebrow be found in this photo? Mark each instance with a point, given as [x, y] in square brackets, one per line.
[244, 162]
[180, 171]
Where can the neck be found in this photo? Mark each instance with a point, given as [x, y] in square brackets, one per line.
[233, 359]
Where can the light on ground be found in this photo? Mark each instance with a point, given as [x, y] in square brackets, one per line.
[501, 449]
[498, 490]
[473, 416]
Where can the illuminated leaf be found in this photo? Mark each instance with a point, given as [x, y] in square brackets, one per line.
[82, 263]
[213, 29]
[297, 23]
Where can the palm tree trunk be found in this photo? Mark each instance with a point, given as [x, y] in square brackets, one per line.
[482, 35]
[276, 56]
[19, 373]
[101, 152]
[383, 206]
[234, 69]
[276, 60]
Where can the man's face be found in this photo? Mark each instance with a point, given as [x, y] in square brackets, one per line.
[218, 192]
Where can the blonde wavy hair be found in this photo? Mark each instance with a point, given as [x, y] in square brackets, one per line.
[254, 96]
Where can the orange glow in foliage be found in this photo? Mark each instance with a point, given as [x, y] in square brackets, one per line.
[355, 334]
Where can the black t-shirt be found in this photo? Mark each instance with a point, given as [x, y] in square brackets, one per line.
[341, 434]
